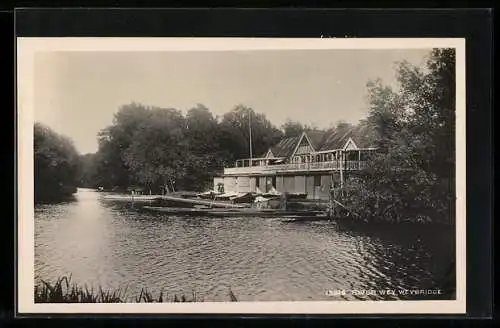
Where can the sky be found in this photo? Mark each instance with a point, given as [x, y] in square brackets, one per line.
[77, 93]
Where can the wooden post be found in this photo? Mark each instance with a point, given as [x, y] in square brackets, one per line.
[342, 166]
[332, 197]
[342, 162]
[283, 200]
[334, 203]
[314, 187]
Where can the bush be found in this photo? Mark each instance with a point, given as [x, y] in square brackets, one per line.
[62, 291]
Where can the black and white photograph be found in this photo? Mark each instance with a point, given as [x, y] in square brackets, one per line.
[200, 175]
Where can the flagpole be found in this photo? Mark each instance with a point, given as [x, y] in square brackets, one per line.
[250, 133]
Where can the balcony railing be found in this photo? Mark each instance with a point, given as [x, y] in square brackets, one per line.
[297, 167]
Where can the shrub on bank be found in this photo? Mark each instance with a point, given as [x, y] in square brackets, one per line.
[63, 291]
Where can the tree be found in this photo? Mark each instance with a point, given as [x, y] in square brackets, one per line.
[202, 130]
[155, 157]
[88, 171]
[412, 174]
[235, 133]
[112, 170]
[292, 128]
[56, 165]
[204, 158]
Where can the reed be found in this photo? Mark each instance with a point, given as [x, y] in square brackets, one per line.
[63, 291]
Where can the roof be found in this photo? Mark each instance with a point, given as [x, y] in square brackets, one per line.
[336, 139]
[323, 141]
[285, 147]
[317, 138]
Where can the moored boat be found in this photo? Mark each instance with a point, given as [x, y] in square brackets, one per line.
[210, 194]
[243, 198]
[226, 196]
[297, 196]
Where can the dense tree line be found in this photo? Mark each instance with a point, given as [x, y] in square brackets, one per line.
[56, 165]
[158, 148]
[412, 175]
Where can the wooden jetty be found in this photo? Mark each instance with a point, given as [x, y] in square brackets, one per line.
[131, 198]
[174, 200]
[236, 212]
[198, 202]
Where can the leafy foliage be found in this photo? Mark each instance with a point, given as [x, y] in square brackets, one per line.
[56, 164]
[411, 177]
[161, 149]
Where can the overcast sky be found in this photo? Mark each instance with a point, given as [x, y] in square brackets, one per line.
[76, 93]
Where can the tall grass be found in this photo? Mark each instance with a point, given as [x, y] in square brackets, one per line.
[63, 291]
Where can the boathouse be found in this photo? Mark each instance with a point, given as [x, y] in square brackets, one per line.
[307, 163]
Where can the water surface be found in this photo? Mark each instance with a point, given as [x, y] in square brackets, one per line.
[116, 245]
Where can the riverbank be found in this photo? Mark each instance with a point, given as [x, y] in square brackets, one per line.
[64, 291]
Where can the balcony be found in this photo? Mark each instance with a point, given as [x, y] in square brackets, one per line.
[296, 167]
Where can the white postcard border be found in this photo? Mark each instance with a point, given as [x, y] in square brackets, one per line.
[26, 49]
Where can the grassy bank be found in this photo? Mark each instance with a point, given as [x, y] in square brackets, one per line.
[64, 291]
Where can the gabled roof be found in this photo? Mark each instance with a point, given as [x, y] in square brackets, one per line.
[351, 143]
[317, 138]
[338, 138]
[285, 147]
[323, 141]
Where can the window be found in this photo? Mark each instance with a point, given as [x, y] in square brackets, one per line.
[352, 156]
[317, 180]
[257, 182]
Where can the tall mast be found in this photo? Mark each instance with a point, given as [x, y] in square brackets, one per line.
[250, 134]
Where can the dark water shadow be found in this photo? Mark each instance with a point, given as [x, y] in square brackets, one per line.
[426, 247]
[403, 256]
[62, 200]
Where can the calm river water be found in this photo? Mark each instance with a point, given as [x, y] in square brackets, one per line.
[114, 245]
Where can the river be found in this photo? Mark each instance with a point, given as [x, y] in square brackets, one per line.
[116, 245]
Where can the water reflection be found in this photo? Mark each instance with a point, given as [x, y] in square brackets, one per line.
[116, 245]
